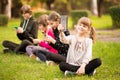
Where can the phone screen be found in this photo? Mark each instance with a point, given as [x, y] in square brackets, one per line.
[64, 21]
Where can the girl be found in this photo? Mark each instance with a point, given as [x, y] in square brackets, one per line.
[47, 30]
[80, 50]
[54, 20]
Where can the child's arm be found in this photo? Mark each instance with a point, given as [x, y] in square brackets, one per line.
[36, 41]
[62, 35]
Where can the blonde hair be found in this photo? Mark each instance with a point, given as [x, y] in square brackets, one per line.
[86, 21]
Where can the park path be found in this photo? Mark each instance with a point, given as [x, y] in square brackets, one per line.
[106, 35]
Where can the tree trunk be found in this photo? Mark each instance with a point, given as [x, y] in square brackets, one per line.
[100, 2]
[94, 7]
[8, 9]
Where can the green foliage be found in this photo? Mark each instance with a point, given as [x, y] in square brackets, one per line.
[16, 5]
[62, 6]
[38, 14]
[3, 20]
[77, 14]
[115, 14]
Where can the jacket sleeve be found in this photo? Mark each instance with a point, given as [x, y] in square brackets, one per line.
[31, 32]
[59, 45]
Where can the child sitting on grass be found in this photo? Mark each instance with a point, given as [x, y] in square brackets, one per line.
[80, 49]
[47, 30]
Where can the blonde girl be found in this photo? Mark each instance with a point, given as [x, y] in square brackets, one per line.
[80, 49]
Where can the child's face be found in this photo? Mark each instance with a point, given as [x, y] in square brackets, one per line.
[41, 27]
[54, 24]
[81, 28]
[26, 15]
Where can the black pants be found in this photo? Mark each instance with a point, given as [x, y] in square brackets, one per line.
[46, 55]
[18, 48]
[90, 67]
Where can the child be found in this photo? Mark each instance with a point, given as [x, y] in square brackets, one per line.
[80, 49]
[47, 30]
[54, 20]
[27, 30]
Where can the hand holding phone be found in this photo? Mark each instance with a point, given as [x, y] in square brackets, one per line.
[16, 27]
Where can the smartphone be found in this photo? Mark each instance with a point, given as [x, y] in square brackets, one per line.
[64, 22]
[16, 27]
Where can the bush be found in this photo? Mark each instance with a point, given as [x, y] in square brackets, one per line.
[115, 15]
[38, 14]
[77, 14]
[3, 20]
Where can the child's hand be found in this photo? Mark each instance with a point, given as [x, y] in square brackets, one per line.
[60, 28]
[81, 70]
[50, 39]
[36, 41]
[20, 30]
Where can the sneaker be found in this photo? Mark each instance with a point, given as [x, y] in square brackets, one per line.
[38, 59]
[6, 50]
[69, 73]
[51, 63]
[92, 73]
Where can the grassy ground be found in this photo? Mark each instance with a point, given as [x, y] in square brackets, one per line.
[21, 67]
[105, 22]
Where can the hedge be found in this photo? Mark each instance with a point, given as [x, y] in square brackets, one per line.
[77, 14]
[115, 15]
[38, 14]
[3, 20]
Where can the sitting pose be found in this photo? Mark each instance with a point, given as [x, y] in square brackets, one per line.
[28, 29]
[80, 49]
[54, 20]
[43, 45]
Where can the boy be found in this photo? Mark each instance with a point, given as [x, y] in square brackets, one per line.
[26, 32]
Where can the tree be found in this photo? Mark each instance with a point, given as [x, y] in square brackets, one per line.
[100, 3]
[8, 9]
[49, 3]
[94, 7]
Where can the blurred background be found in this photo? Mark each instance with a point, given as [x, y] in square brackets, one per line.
[73, 8]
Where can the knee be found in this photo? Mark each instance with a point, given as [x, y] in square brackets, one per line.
[4, 42]
[62, 66]
[98, 61]
[25, 41]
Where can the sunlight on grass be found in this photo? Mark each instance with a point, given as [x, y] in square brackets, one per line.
[105, 22]
[21, 67]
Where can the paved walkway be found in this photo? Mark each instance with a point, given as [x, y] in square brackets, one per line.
[106, 35]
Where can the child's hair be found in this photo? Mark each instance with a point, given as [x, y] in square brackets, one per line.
[86, 21]
[54, 16]
[26, 9]
[43, 20]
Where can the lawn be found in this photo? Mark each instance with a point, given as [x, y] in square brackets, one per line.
[21, 67]
[105, 22]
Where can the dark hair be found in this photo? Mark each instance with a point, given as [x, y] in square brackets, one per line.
[54, 16]
[26, 9]
[43, 20]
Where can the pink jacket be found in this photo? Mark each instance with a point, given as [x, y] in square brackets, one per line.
[45, 44]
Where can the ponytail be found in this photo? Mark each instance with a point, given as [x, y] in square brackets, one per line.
[92, 34]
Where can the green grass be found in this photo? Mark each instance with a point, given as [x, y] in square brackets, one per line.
[105, 22]
[21, 67]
